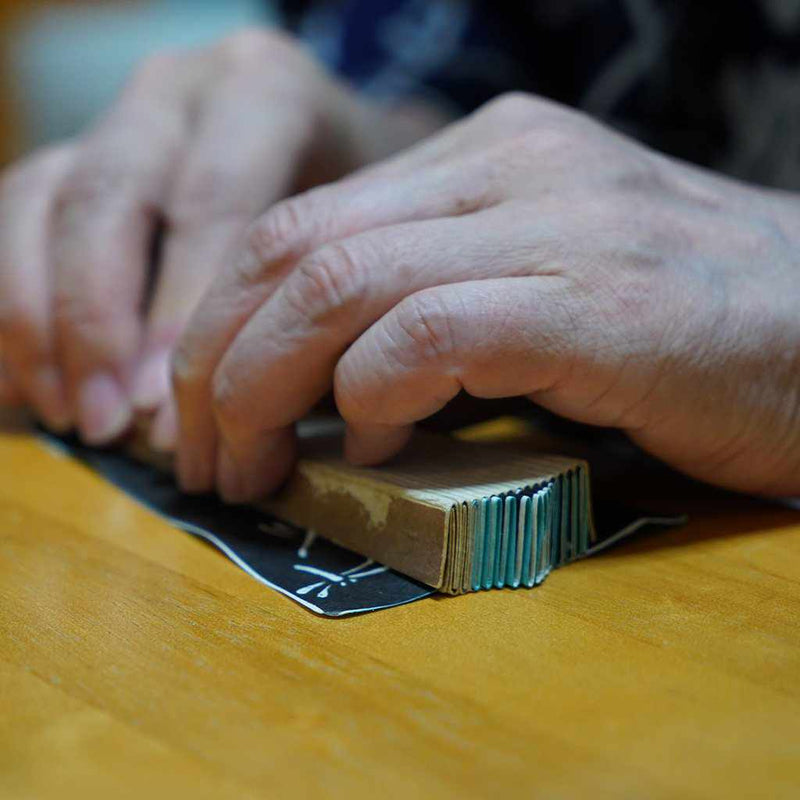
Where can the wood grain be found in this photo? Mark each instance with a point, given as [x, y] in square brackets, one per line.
[134, 659]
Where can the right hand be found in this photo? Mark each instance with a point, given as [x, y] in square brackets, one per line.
[198, 145]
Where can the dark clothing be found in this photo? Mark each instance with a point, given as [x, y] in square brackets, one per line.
[716, 82]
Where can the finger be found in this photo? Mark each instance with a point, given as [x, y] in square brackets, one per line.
[283, 360]
[105, 216]
[461, 186]
[471, 166]
[218, 192]
[449, 176]
[282, 235]
[292, 228]
[25, 293]
[263, 170]
[497, 338]
[249, 467]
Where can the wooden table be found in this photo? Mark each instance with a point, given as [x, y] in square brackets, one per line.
[137, 661]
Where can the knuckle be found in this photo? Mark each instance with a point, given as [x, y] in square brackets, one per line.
[518, 110]
[268, 243]
[426, 327]
[536, 123]
[283, 71]
[329, 281]
[558, 142]
[275, 233]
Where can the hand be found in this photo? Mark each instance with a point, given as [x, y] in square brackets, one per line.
[198, 145]
[526, 250]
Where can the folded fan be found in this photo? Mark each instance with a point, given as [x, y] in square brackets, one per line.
[458, 516]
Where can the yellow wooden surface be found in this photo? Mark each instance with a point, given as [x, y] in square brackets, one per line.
[135, 661]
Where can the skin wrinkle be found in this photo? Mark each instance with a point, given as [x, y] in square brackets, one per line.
[321, 288]
[101, 185]
[235, 377]
[657, 353]
[284, 327]
[412, 318]
[269, 242]
[392, 354]
[614, 382]
[611, 218]
[672, 318]
[730, 450]
[566, 378]
[293, 86]
[496, 326]
[257, 240]
[726, 453]
[628, 414]
[348, 381]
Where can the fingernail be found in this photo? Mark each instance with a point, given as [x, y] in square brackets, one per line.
[103, 411]
[164, 431]
[51, 399]
[229, 479]
[151, 383]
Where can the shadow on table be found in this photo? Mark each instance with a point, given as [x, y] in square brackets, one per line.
[622, 474]
[625, 475]
[712, 513]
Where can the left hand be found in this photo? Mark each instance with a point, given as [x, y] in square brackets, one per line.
[526, 250]
[108, 241]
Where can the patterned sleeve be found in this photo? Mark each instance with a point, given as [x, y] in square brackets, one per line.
[714, 83]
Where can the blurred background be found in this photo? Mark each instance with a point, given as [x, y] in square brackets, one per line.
[64, 60]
